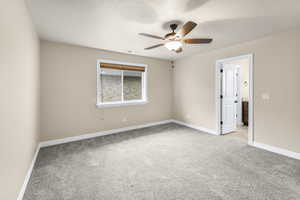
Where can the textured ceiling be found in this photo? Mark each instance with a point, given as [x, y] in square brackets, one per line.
[114, 24]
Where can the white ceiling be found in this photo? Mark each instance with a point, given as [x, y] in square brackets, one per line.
[114, 24]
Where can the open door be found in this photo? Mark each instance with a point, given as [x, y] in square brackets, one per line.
[229, 98]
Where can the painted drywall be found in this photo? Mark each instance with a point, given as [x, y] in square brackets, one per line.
[19, 102]
[276, 75]
[96, 23]
[68, 92]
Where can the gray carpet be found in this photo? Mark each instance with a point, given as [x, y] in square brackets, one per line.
[162, 163]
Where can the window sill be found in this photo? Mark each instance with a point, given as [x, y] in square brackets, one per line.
[119, 104]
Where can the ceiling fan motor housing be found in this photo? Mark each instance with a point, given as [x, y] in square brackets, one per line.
[173, 27]
[170, 35]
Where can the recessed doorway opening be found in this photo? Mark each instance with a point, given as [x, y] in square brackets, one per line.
[234, 97]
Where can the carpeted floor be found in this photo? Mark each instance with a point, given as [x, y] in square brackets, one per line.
[241, 132]
[162, 163]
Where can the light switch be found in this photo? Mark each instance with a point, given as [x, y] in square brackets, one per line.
[265, 96]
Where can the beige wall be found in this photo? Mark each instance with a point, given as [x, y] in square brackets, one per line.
[68, 92]
[19, 101]
[276, 72]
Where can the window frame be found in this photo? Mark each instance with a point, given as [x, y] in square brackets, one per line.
[144, 99]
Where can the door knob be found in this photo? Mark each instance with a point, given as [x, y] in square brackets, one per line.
[235, 101]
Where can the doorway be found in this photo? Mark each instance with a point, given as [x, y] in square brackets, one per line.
[234, 97]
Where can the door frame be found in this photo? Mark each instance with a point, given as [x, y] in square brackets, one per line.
[239, 92]
[219, 63]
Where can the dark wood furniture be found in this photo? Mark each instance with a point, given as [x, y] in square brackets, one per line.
[245, 106]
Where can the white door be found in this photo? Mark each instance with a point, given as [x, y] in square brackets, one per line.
[228, 98]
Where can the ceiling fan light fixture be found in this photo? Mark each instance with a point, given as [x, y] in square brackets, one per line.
[173, 45]
[173, 41]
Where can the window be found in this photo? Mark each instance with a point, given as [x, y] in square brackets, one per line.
[120, 84]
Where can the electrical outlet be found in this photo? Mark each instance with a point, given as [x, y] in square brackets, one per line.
[124, 119]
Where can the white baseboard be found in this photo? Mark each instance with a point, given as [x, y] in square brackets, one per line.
[27, 177]
[206, 130]
[101, 133]
[114, 131]
[277, 150]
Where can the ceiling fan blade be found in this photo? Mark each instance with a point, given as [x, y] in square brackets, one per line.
[178, 50]
[152, 36]
[155, 46]
[198, 41]
[186, 28]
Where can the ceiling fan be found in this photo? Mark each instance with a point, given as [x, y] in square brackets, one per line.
[174, 41]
